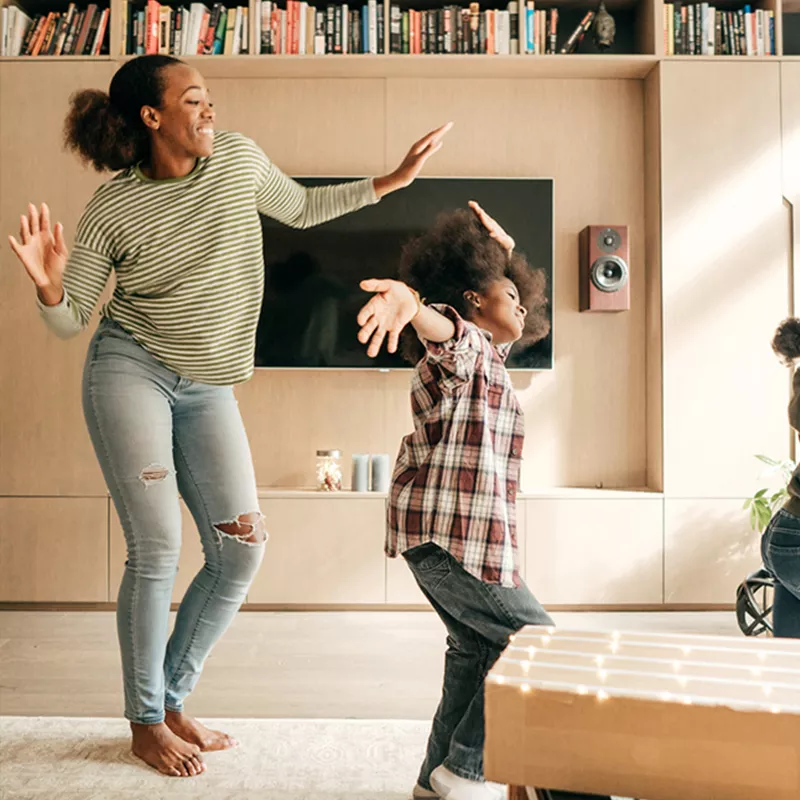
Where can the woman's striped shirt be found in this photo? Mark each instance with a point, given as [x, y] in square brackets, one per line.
[188, 256]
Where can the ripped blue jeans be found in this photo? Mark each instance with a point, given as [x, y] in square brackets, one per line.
[158, 435]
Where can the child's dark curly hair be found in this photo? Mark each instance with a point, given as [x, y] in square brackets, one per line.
[786, 341]
[457, 255]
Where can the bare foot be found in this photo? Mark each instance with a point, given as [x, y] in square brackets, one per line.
[194, 732]
[159, 747]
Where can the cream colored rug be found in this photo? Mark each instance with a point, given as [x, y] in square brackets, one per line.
[58, 758]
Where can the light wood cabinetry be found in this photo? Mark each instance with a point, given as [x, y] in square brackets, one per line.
[699, 156]
[322, 551]
[53, 549]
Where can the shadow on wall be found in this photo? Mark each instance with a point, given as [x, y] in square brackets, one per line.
[707, 555]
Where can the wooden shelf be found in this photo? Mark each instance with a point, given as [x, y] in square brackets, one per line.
[433, 66]
[53, 59]
[545, 493]
[725, 59]
[426, 66]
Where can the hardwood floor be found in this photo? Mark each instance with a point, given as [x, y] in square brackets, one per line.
[369, 665]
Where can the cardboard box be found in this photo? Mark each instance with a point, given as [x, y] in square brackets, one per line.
[646, 715]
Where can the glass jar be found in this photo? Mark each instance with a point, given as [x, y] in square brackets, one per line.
[329, 470]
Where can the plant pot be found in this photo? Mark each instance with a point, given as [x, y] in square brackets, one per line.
[754, 603]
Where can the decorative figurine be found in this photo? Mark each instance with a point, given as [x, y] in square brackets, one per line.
[604, 28]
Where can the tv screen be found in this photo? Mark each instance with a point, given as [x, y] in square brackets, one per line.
[312, 296]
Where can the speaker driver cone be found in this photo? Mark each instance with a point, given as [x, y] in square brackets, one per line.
[609, 274]
[609, 240]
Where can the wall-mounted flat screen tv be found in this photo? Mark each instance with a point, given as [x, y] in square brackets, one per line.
[312, 296]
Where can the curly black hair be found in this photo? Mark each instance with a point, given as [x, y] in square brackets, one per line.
[105, 129]
[457, 255]
[786, 341]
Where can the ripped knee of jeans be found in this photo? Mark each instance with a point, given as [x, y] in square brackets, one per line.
[245, 529]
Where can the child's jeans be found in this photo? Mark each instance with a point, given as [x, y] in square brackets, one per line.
[479, 618]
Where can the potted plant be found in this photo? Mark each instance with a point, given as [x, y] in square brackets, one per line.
[754, 594]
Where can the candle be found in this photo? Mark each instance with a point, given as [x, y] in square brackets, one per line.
[380, 473]
[360, 482]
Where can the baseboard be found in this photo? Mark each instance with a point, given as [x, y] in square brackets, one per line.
[287, 607]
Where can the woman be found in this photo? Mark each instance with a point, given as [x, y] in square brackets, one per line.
[179, 226]
[780, 544]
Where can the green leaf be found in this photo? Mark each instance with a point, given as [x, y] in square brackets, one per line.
[760, 493]
[768, 461]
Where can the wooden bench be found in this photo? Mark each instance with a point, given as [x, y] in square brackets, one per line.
[645, 715]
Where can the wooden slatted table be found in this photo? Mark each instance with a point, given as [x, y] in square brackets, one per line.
[646, 715]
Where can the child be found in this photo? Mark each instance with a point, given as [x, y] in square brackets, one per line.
[452, 502]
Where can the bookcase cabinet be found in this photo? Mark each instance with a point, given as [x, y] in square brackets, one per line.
[640, 41]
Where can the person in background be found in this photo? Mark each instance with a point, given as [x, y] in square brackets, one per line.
[780, 542]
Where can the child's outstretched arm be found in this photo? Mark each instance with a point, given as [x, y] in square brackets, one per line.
[393, 306]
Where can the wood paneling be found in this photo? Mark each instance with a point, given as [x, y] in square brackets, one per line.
[709, 549]
[790, 122]
[725, 275]
[53, 549]
[653, 340]
[46, 450]
[290, 415]
[595, 552]
[341, 126]
[308, 126]
[585, 420]
[322, 551]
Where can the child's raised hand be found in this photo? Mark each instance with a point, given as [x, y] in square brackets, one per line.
[392, 307]
[495, 230]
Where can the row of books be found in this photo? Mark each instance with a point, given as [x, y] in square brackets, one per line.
[469, 30]
[301, 28]
[184, 31]
[72, 32]
[520, 28]
[704, 30]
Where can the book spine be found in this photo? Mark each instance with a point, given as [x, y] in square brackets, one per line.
[513, 27]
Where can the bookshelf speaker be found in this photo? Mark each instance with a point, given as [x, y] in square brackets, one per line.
[604, 271]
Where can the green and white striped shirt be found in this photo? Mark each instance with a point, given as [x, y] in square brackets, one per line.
[188, 256]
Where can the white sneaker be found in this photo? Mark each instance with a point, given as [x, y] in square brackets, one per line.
[420, 793]
[453, 787]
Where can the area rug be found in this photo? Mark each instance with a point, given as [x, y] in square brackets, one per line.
[58, 758]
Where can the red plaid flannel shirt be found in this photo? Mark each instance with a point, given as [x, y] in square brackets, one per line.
[456, 477]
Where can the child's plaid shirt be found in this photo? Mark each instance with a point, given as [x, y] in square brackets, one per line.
[456, 477]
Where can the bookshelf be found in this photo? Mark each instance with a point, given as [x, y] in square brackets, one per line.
[791, 28]
[640, 43]
[63, 29]
[725, 29]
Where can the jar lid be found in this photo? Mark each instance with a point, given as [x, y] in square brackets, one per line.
[329, 453]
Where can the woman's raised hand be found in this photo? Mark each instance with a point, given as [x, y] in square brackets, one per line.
[42, 251]
[413, 163]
